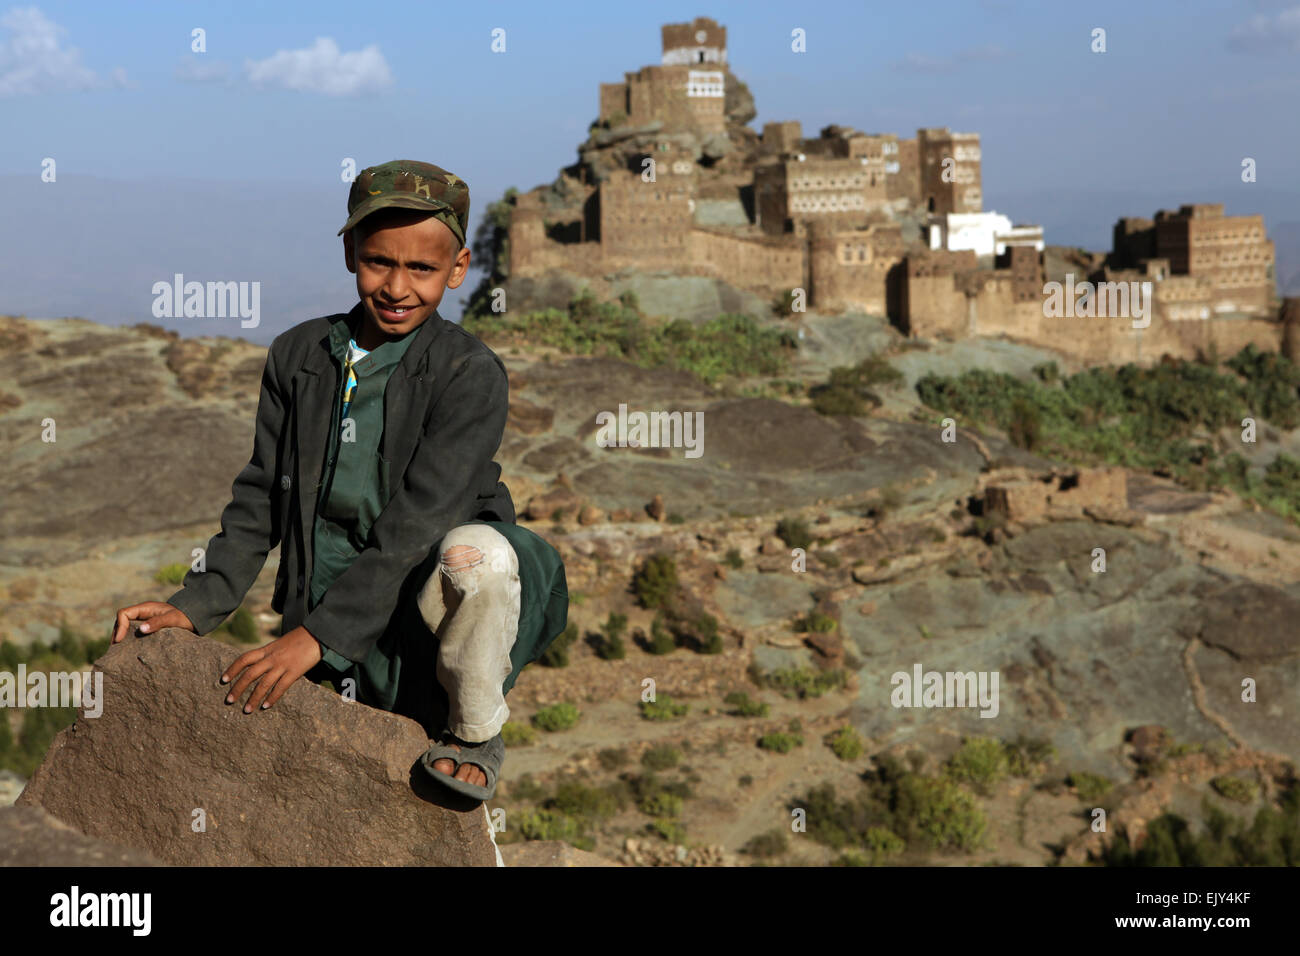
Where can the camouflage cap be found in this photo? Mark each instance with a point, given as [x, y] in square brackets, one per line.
[407, 184]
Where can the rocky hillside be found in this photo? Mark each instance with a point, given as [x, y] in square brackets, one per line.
[1119, 688]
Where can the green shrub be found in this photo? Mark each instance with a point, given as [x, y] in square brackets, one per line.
[1271, 839]
[662, 640]
[1091, 787]
[804, 682]
[817, 622]
[241, 626]
[662, 804]
[615, 625]
[173, 574]
[526, 788]
[734, 560]
[980, 761]
[1152, 418]
[70, 645]
[1235, 788]
[695, 628]
[767, 845]
[725, 347]
[661, 757]
[556, 717]
[545, 825]
[882, 844]
[779, 742]
[663, 708]
[40, 725]
[517, 735]
[1027, 757]
[557, 655]
[611, 646]
[848, 390]
[611, 758]
[585, 803]
[940, 813]
[794, 533]
[673, 831]
[655, 584]
[11, 655]
[845, 743]
[743, 706]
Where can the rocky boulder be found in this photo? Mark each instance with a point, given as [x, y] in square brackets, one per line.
[171, 770]
[31, 837]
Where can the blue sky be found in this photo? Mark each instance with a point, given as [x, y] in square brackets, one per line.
[226, 164]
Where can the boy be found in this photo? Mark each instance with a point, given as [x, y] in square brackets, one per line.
[401, 566]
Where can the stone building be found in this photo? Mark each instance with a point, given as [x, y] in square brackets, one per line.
[950, 171]
[686, 91]
[1208, 264]
[847, 216]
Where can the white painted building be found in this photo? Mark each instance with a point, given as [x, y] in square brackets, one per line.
[984, 233]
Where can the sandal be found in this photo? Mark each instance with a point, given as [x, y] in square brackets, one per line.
[487, 756]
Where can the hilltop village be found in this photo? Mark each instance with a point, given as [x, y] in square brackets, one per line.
[671, 179]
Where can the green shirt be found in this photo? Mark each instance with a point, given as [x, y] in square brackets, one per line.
[355, 477]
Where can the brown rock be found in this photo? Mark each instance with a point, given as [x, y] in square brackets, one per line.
[866, 610]
[829, 646]
[529, 419]
[543, 506]
[31, 837]
[1148, 741]
[773, 545]
[655, 509]
[590, 515]
[313, 781]
[550, 853]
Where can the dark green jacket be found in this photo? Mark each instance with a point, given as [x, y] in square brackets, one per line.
[354, 490]
[445, 410]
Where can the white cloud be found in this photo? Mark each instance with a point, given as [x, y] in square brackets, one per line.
[920, 63]
[322, 68]
[33, 59]
[1268, 34]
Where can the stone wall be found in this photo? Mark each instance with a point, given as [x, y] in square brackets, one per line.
[765, 265]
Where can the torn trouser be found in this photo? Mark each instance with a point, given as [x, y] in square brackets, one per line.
[455, 650]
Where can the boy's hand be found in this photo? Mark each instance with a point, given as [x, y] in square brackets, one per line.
[156, 614]
[275, 667]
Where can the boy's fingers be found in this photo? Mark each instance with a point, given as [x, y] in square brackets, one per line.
[240, 662]
[124, 616]
[264, 688]
[250, 674]
[281, 686]
[158, 621]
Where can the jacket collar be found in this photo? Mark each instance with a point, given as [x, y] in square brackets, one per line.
[414, 361]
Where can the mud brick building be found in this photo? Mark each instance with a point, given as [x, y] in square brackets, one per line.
[671, 180]
[685, 91]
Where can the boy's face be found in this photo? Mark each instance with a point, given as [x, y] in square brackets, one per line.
[403, 260]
